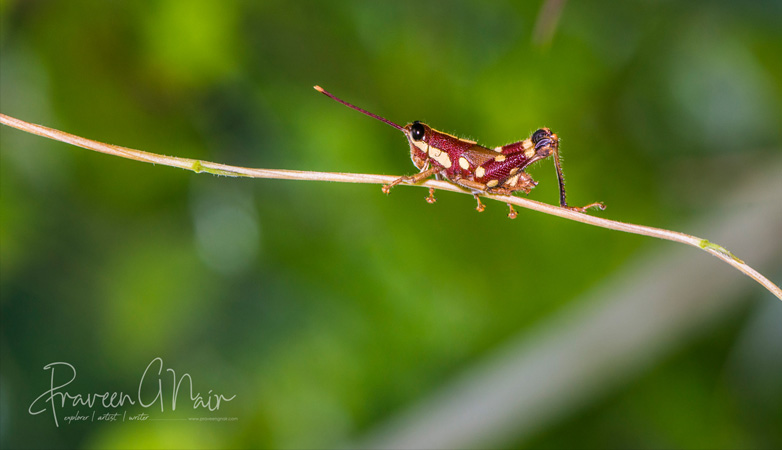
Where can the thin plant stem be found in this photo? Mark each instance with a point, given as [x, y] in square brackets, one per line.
[200, 166]
[547, 22]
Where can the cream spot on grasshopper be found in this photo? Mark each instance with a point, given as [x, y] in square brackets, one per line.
[480, 172]
[440, 156]
[492, 183]
[499, 158]
[529, 148]
[463, 163]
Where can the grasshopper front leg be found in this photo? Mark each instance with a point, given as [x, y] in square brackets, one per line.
[414, 179]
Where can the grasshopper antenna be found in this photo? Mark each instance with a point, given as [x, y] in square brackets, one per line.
[349, 105]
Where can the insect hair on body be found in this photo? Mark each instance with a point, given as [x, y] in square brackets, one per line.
[474, 167]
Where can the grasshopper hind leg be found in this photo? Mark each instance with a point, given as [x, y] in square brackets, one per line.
[581, 209]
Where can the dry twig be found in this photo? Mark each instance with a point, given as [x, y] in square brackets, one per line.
[199, 166]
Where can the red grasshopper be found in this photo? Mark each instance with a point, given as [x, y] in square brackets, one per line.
[479, 169]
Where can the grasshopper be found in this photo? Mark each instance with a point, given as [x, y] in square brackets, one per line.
[478, 169]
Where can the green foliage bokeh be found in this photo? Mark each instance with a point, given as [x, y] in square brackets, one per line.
[328, 307]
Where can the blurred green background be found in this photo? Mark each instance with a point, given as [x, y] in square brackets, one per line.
[329, 309]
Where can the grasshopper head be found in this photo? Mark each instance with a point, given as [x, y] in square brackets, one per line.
[417, 134]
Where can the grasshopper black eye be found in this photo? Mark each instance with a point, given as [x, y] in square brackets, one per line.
[417, 131]
[539, 135]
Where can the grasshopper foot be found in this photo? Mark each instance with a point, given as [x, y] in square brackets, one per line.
[581, 209]
[512, 214]
[431, 198]
[480, 207]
